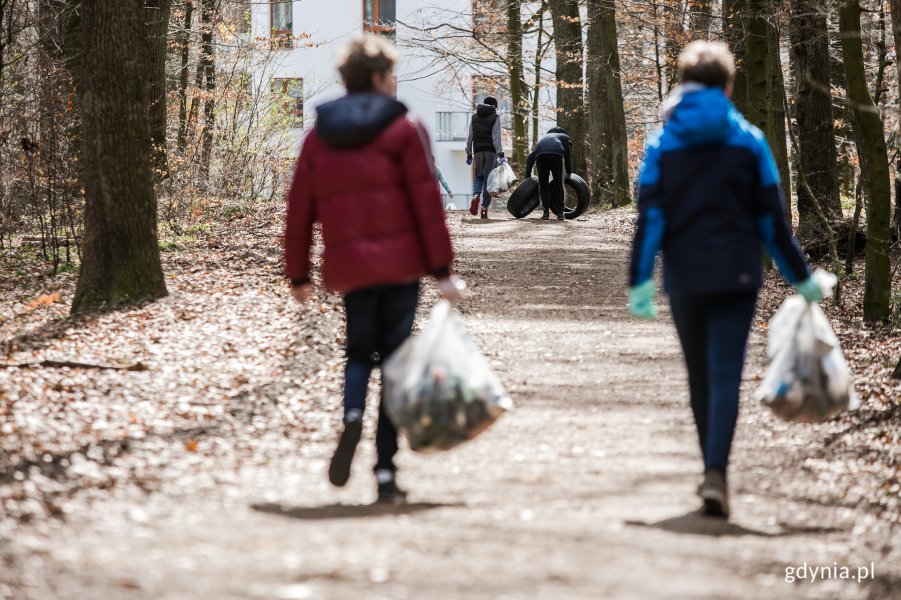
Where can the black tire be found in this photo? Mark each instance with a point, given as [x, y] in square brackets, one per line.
[524, 198]
[582, 198]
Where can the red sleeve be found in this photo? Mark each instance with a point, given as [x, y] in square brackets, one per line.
[425, 198]
[300, 219]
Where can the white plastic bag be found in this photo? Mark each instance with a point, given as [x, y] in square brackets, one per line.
[501, 179]
[808, 379]
[438, 388]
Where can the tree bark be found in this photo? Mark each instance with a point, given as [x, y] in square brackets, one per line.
[121, 259]
[606, 113]
[674, 34]
[156, 19]
[184, 44]
[208, 62]
[570, 82]
[813, 109]
[895, 6]
[518, 97]
[756, 61]
[699, 18]
[776, 132]
[734, 34]
[873, 164]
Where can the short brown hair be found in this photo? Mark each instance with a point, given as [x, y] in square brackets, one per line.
[707, 63]
[363, 57]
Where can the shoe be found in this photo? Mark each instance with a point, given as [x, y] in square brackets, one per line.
[546, 215]
[390, 493]
[714, 494]
[474, 206]
[561, 217]
[484, 212]
[339, 468]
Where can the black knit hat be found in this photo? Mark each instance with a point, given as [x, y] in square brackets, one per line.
[490, 100]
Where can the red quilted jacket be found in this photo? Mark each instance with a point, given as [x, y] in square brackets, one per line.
[366, 174]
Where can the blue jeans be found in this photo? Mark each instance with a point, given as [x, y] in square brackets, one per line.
[480, 187]
[713, 331]
[379, 319]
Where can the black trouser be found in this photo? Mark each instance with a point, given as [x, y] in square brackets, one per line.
[713, 330]
[379, 319]
[550, 165]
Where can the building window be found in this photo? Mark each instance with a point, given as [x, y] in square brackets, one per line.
[452, 126]
[380, 17]
[287, 95]
[282, 19]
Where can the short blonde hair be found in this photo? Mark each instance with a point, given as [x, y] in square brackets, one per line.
[707, 63]
[363, 57]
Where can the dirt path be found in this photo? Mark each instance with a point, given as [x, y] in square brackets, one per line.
[585, 491]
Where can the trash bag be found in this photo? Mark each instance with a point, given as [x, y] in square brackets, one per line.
[500, 179]
[808, 379]
[438, 388]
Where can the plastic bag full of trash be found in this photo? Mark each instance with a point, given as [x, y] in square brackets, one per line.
[808, 379]
[439, 390]
[501, 179]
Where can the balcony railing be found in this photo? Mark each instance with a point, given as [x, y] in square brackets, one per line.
[452, 126]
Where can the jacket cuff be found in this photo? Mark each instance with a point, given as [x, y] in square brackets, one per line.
[296, 281]
[442, 272]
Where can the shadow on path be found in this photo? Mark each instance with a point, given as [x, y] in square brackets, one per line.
[697, 524]
[347, 511]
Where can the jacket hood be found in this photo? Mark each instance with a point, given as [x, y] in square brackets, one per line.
[557, 130]
[356, 119]
[484, 110]
[699, 115]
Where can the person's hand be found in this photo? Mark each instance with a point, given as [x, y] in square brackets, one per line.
[303, 292]
[811, 290]
[468, 159]
[501, 159]
[451, 288]
[641, 300]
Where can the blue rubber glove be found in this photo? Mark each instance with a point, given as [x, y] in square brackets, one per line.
[641, 300]
[810, 289]
[501, 159]
[468, 159]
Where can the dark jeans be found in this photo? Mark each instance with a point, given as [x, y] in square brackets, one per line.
[379, 319]
[713, 330]
[483, 164]
[550, 166]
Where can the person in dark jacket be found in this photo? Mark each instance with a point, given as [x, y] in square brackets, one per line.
[484, 151]
[365, 174]
[708, 196]
[552, 156]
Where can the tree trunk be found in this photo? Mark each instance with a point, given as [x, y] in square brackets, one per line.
[208, 62]
[813, 109]
[606, 114]
[776, 112]
[570, 82]
[756, 60]
[897, 373]
[699, 18]
[873, 164]
[184, 44]
[518, 97]
[674, 34]
[536, 89]
[121, 257]
[896, 31]
[156, 19]
[734, 34]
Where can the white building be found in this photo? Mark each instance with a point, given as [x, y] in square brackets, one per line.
[443, 94]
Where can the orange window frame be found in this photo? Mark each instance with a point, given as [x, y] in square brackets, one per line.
[375, 26]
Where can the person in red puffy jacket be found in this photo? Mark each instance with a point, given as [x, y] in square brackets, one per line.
[365, 174]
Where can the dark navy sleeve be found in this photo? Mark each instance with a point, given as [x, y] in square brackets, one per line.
[772, 228]
[651, 216]
[530, 162]
[568, 155]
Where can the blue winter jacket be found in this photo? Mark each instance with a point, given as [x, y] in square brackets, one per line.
[708, 195]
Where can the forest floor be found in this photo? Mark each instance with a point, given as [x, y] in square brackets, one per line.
[200, 472]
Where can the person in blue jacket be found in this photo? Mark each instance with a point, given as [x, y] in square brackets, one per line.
[552, 156]
[708, 196]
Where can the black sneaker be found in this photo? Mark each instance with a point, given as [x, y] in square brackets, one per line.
[561, 216]
[390, 493]
[714, 494]
[339, 468]
[546, 215]
[484, 212]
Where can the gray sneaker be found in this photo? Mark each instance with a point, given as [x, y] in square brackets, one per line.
[714, 494]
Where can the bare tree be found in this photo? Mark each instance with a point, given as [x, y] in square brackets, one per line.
[570, 80]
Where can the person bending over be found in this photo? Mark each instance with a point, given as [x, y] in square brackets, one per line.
[552, 156]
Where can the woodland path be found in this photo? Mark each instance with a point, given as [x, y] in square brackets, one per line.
[586, 490]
